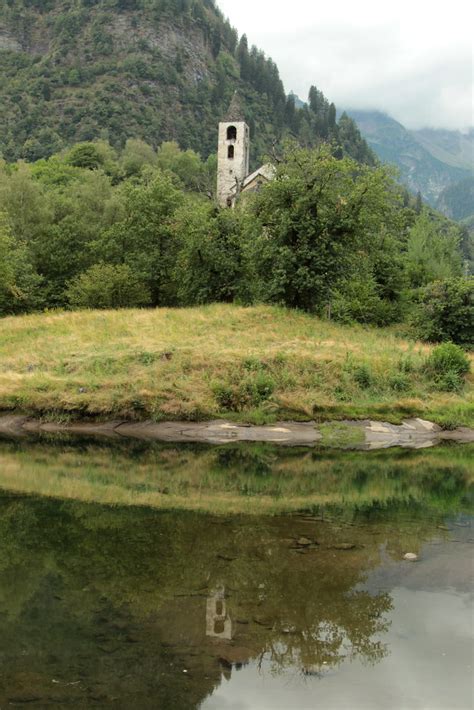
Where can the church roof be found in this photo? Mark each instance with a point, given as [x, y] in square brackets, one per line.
[235, 111]
[266, 171]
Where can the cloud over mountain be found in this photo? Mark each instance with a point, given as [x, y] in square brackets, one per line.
[412, 59]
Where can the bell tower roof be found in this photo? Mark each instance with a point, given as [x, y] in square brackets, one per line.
[235, 111]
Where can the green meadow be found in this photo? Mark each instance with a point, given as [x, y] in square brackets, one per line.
[258, 364]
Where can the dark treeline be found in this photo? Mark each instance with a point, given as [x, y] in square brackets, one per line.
[93, 227]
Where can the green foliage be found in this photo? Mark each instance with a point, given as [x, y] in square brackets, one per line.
[194, 175]
[446, 311]
[450, 382]
[142, 235]
[209, 266]
[108, 286]
[19, 283]
[252, 390]
[24, 201]
[363, 376]
[448, 365]
[448, 357]
[316, 223]
[399, 382]
[117, 70]
[135, 156]
[328, 235]
[78, 210]
[85, 155]
[351, 143]
[360, 299]
[433, 250]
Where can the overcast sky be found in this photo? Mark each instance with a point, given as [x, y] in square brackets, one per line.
[410, 58]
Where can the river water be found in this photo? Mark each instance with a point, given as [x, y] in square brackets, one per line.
[146, 603]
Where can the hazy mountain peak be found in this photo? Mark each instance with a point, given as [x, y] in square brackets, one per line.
[429, 159]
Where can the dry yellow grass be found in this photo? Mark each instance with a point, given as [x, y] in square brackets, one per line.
[252, 364]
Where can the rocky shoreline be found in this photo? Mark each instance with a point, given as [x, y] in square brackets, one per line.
[365, 435]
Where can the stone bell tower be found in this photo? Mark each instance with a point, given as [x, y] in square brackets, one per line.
[232, 154]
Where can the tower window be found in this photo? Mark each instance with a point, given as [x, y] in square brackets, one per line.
[230, 152]
[232, 133]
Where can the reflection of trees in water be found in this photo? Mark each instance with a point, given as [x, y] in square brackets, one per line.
[308, 614]
[120, 598]
[312, 638]
[238, 475]
[319, 645]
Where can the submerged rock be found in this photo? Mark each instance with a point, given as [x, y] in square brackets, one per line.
[410, 556]
[304, 542]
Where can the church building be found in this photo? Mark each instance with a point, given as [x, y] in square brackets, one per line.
[233, 177]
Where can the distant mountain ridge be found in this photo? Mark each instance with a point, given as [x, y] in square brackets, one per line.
[429, 160]
[451, 147]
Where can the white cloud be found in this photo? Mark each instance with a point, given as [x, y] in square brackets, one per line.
[412, 58]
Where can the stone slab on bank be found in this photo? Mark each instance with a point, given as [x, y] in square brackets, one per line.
[366, 435]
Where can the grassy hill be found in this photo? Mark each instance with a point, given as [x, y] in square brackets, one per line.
[256, 364]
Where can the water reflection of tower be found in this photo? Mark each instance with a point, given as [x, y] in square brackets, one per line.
[218, 622]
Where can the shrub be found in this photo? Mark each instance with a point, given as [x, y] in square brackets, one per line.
[85, 155]
[251, 392]
[448, 364]
[225, 396]
[363, 376]
[399, 382]
[253, 363]
[448, 358]
[358, 301]
[19, 282]
[262, 387]
[146, 358]
[450, 382]
[446, 312]
[108, 286]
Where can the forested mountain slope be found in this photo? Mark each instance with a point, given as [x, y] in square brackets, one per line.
[457, 200]
[159, 70]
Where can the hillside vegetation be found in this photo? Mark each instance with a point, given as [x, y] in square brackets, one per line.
[251, 364]
[457, 200]
[160, 70]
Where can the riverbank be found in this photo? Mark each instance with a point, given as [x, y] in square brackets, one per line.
[360, 435]
[258, 365]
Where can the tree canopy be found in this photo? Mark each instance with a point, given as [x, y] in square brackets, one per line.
[98, 227]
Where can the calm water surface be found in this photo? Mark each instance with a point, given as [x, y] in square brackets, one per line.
[136, 607]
